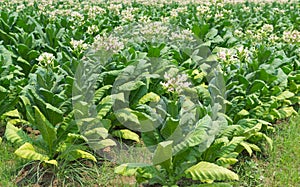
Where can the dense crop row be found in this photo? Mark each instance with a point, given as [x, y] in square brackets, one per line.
[189, 85]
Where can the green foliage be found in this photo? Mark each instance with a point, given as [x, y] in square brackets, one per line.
[192, 84]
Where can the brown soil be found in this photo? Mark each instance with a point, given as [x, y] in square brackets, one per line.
[28, 175]
[2, 131]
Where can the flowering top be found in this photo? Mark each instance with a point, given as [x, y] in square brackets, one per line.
[46, 59]
[291, 36]
[108, 43]
[175, 84]
[78, 45]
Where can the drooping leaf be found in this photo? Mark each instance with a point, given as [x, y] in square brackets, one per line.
[104, 106]
[98, 145]
[212, 33]
[126, 134]
[130, 169]
[16, 135]
[205, 171]
[152, 97]
[127, 118]
[226, 162]
[76, 154]
[29, 152]
[100, 93]
[195, 137]
[285, 95]
[171, 130]
[257, 85]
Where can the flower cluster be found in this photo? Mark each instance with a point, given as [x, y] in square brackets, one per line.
[291, 36]
[94, 11]
[46, 59]
[78, 45]
[92, 29]
[108, 43]
[238, 33]
[128, 15]
[184, 35]
[267, 28]
[152, 31]
[115, 8]
[227, 56]
[175, 84]
[175, 12]
[202, 10]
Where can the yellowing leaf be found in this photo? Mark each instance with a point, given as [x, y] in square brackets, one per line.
[204, 171]
[28, 151]
[152, 97]
[126, 134]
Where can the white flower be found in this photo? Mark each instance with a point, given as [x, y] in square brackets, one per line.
[238, 33]
[291, 36]
[127, 15]
[267, 28]
[46, 59]
[175, 84]
[184, 35]
[92, 29]
[222, 55]
[78, 45]
[77, 15]
[108, 43]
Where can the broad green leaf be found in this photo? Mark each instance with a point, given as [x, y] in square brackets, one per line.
[48, 131]
[55, 115]
[171, 130]
[28, 108]
[33, 54]
[212, 33]
[127, 118]
[256, 86]
[229, 148]
[252, 130]
[131, 85]
[205, 171]
[286, 112]
[95, 133]
[243, 113]
[23, 50]
[100, 144]
[196, 136]
[126, 134]
[247, 147]
[162, 153]
[269, 141]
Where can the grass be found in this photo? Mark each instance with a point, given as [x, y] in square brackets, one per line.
[76, 174]
[9, 164]
[281, 166]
